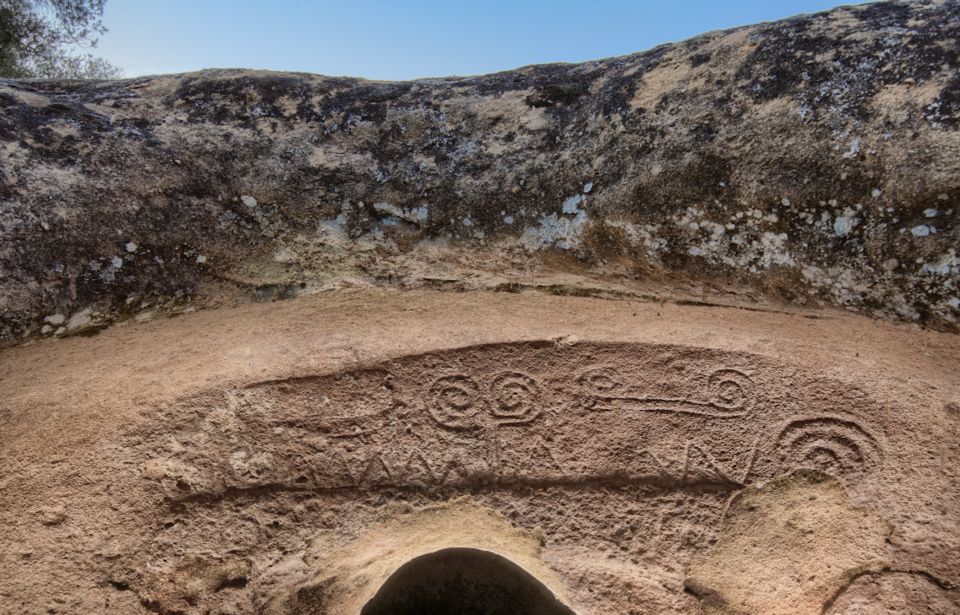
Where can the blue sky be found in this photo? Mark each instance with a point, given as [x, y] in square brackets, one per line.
[405, 40]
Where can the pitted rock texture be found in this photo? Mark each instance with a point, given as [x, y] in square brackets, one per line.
[292, 458]
[815, 160]
[821, 543]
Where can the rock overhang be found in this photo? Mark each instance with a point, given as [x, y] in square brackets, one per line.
[813, 161]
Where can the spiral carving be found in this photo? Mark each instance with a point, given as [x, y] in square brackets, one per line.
[516, 398]
[455, 401]
[597, 383]
[602, 380]
[730, 390]
[837, 446]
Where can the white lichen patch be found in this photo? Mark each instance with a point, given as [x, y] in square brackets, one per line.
[555, 231]
[854, 148]
[417, 215]
[55, 319]
[752, 248]
[773, 250]
[844, 224]
[558, 231]
[946, 265]
[644, 236]
[572, 204]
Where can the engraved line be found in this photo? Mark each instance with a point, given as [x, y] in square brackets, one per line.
[754, 454]
[599, 482]
[655, 404]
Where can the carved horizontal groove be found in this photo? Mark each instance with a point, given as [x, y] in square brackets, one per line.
[593, 483]
[653, 404]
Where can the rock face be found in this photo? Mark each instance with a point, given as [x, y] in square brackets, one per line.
[375, 451]
[814, 160]
[382, 452]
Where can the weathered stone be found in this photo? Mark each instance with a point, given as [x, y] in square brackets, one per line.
[798, 158]
[628, 446]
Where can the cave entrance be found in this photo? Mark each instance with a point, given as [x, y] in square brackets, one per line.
[463, 581]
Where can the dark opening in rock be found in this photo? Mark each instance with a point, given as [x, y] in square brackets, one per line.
[466, 582]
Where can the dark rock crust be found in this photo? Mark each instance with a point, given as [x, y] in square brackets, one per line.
[816, 159]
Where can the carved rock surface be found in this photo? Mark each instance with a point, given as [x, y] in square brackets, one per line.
[814, 160]
[679, 423]
[786, 546]
[290, 457]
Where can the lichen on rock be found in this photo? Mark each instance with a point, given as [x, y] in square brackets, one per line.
[797, 158]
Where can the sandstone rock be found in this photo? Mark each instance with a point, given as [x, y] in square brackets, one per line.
[282, 457]
[770, 556]
[54, 515]
[554, 340]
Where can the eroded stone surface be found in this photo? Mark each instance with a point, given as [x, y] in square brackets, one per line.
[622, 452]
[271, 455]
[887, 593]
[525, 414]
[344, 571]
[786, 546]
[813, 159]
[629, 455]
